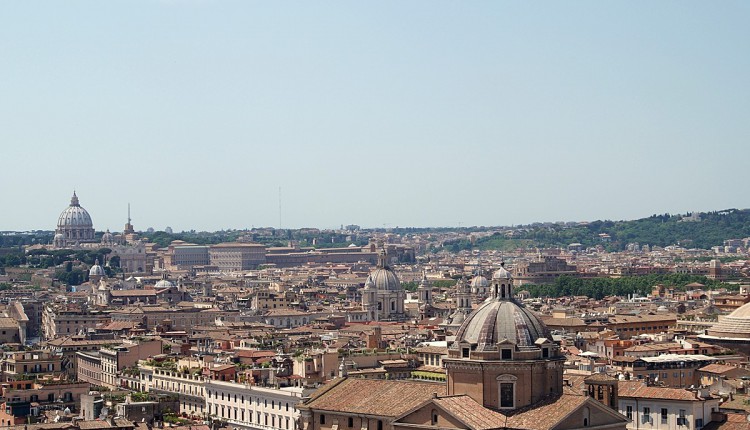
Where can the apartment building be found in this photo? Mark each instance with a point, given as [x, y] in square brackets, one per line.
[244, 406]
[187, 383]
[23, 365]
[659, 408]
[103, 367]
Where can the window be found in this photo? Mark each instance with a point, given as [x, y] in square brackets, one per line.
[629, 412]
[699, 423]
[506, 354]
[545, 352]
[506, 395]
[380, 424]
[646, 416]
[350, 422]
[434, 417]
[322, 418]
[681, 420]
[465, 352]
[664, 416]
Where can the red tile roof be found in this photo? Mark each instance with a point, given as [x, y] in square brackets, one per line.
[471, 413]
[637, 389]
[386, 398]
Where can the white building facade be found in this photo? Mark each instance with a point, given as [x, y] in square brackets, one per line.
[243, 406]
[659, 408]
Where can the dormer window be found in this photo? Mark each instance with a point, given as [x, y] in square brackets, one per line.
[465, 352]
[545, 352]
[506, 354]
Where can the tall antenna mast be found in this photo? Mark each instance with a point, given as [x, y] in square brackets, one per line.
[279, 207]
[128, 213]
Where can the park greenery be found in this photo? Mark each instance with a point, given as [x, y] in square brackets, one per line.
[599, 288]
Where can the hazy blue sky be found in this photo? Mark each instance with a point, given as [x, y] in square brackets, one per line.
[416, 113]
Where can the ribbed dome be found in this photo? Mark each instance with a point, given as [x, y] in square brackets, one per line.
[496, 320]
[96, 270]
[384, 279]
[74, 215]
[480, 281]
[163, 283]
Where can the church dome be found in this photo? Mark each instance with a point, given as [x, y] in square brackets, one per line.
[383, 279]
[96, 270]
[734, 325]
[74, 215]
[479, 281]
[163, 283]
[108, 237]
[496, 320]
[501, 318]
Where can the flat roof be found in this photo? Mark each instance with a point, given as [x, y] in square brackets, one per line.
[666, 358]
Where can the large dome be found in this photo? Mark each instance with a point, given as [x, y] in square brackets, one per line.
[501, 318]
[496, 320]
[383, 279]
[74, 225]
[734, 325]
[74, 215]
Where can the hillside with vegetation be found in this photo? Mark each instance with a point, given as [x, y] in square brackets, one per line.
[710, 229]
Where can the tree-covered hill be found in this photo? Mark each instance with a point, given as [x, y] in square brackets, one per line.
[711, 229]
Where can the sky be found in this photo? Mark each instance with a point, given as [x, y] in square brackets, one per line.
[213, 115]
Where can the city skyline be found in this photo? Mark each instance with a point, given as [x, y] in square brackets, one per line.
[213, 116]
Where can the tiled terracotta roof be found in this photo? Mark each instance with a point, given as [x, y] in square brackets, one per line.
[546, 414]
[373, 397]
[474, 415]
[717, 368]
[733, 422]
[637, 389]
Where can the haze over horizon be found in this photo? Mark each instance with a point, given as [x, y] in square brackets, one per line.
[390, 114]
